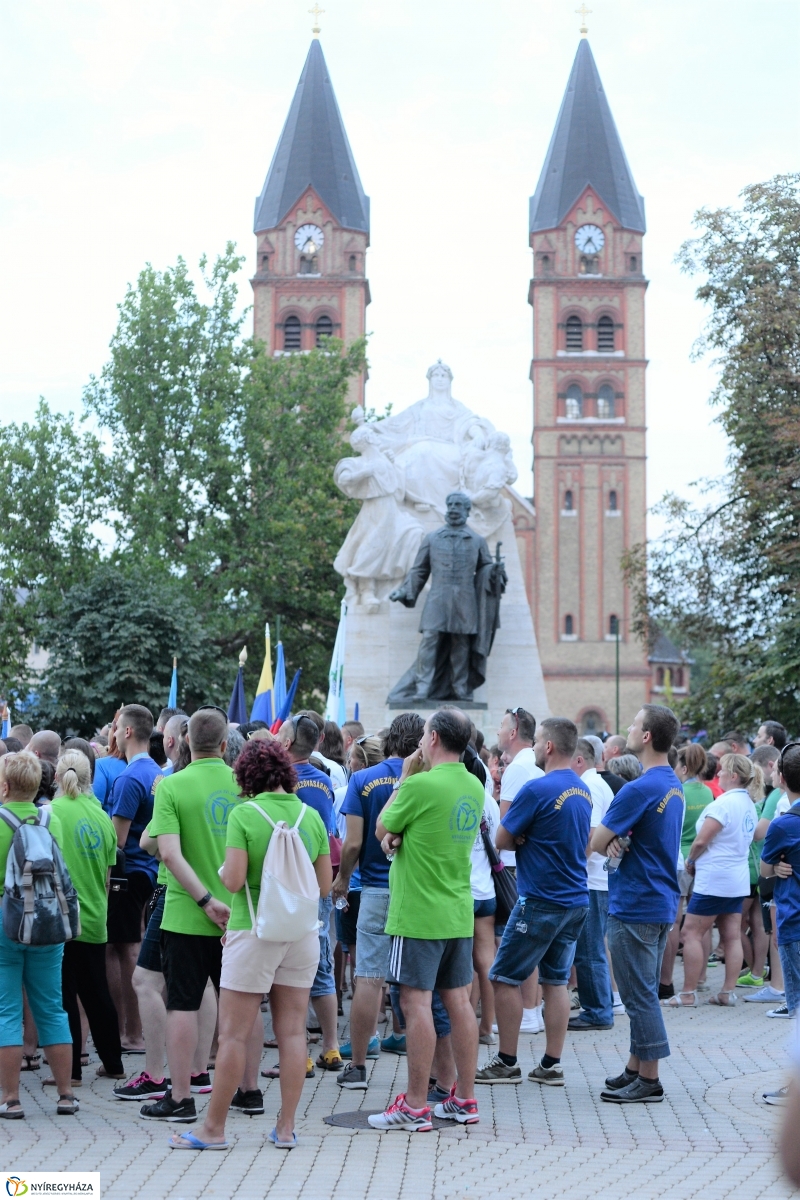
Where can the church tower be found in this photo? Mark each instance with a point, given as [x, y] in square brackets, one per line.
[312, 228]
[588, 373]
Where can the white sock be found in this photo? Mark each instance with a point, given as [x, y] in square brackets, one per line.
[538, 1011]
[529, 1014]
[616, 998]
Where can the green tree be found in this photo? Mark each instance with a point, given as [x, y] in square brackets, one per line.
[726, 575]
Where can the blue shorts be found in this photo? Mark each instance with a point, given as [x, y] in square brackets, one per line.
[545, 939]
[374, 945]
[38, 970]
[485, 908]
[703, 905]
[324, 983]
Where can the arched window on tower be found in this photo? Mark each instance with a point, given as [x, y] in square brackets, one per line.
[678, 677]
[612, 625]
[612, 501]
[574, 405]
[605, 335]
[660, 677]
[574, 334]
[324, 329]
[569, 503]
[352, 262]
[605, 402]
[292, 333]
[569, 626]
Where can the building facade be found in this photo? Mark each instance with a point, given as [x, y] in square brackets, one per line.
[312, 228]
[589, 426]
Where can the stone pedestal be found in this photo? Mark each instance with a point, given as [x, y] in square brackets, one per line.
[382, 644]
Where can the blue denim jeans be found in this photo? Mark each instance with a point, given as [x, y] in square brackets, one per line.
[324, 984]
[636, 954]
[591, 964]
[538, 934]
[790, 961]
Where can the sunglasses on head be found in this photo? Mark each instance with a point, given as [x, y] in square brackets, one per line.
[788, 746]
[212, 708]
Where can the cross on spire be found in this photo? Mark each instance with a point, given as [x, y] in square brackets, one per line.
[316, 12]
[583, 12]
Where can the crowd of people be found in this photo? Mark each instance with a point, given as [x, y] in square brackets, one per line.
[194, 874]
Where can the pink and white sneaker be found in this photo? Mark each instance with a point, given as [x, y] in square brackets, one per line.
[400, 1116]
[453, 1109]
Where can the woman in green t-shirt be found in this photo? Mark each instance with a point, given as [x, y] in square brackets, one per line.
[89, 846]
[252, 966]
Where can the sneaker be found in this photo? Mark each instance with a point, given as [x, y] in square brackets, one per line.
[638, 1091]
[354, 1079]
[619, 1010]
[576, 1024]
[250, 1103]
[197, 1083]
[310, 1072]
[394, 1044]
[496, 1071]
[552, 1076]
[487, 1039]
[331, 1060]
[615, 1083]
[750, 980]
[373, 1049]
[437, 1095]
[400, 1116]
[532, 1024]
[141, 1087]
[453, 1109]
[782, 1012]
[780, 1097]
[574, 999]
[170, 1110]
[767, 995]
[666, 991]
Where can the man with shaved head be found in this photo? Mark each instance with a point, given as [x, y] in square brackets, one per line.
[45, 745]
[23, 734]
[613, 747]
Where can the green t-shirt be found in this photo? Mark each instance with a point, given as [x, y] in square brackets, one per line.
[196, 804]
[248, 831]
[22, 810]
[698, 798]
[771, 804]
[89, 846]
[438, 813]
[754, 853]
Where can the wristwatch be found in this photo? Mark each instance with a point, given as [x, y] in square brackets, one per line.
[203, 901]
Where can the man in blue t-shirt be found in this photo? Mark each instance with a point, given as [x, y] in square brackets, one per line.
[300, 737]
[780, 856]
[548, 826]
[367, 795]
[130, 805]
[643, 896]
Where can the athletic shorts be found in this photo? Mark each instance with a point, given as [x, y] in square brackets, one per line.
[150, 952]
[188, 961]
[426, 964]
[250, 964]
[125, 909]
[702, 905]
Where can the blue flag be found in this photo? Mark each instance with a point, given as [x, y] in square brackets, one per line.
[172, 699]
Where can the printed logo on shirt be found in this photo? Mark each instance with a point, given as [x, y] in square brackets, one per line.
[218, 807]
[88, 839]
[672, 792]
[315, 783]
[373, 783]
[566, 795]
[463, 820]
[155, 784]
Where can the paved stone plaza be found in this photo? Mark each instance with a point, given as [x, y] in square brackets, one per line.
[711, 1137]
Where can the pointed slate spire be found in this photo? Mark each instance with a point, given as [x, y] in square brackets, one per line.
[585, 149]
[313, 149]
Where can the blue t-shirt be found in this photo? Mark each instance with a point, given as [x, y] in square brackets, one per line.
[367, 795]
[554, 812]
[132, 798]
[314, 789]
[644, 888]
[783, 842]
[106, 770]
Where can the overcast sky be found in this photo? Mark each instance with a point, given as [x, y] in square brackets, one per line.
[140, 130]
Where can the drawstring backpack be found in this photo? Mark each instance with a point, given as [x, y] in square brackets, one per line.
[289, 900]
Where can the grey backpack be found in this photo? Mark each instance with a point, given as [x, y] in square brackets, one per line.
[40, 904]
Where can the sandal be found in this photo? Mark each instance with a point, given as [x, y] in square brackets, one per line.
[102, 1073]
[11, 1110]
[679, 1002]
[67, 1106]
[732, 999]
[85, 1059]
[50, 1082]
[31, 1062]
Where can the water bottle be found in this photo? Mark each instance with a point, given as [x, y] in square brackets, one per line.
[612, 864]
[341, 903]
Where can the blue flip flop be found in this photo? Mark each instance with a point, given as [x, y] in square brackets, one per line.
[195, 1143]
[273, 1137]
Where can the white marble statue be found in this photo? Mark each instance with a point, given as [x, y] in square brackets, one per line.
[488, 467]
[384, 538]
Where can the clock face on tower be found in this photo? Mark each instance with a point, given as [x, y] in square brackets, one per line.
[309, 239]
[589, 239]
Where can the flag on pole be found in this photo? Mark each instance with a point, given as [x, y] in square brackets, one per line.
[172, 699]
[5, 731]
[285, 710]
[237, 709]
[334, 709]
[279, 696]
[262, 705]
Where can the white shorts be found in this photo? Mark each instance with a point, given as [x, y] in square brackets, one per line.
[250, 964]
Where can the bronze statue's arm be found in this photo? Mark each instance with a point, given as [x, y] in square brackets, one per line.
[416, 578]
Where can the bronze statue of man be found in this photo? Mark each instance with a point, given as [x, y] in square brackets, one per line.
[461, 613]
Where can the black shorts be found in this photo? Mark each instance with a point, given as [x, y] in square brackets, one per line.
[443, 964]
[125, 909]
[150, 953]
[188, 961]
[347, 919]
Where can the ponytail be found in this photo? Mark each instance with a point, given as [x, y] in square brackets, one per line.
[74, 774]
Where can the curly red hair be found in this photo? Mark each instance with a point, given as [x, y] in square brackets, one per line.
[264, 766]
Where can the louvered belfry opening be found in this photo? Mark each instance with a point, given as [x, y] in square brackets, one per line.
[605, 335]
[292, 333]
[574, 333]
[324, 329]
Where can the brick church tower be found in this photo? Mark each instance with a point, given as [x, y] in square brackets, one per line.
[312, 228]
[588, 374]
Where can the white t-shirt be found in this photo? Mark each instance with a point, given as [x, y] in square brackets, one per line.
[602, 796]
[480, 879]
[519, 771]
[337, 771]
[723, 870]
